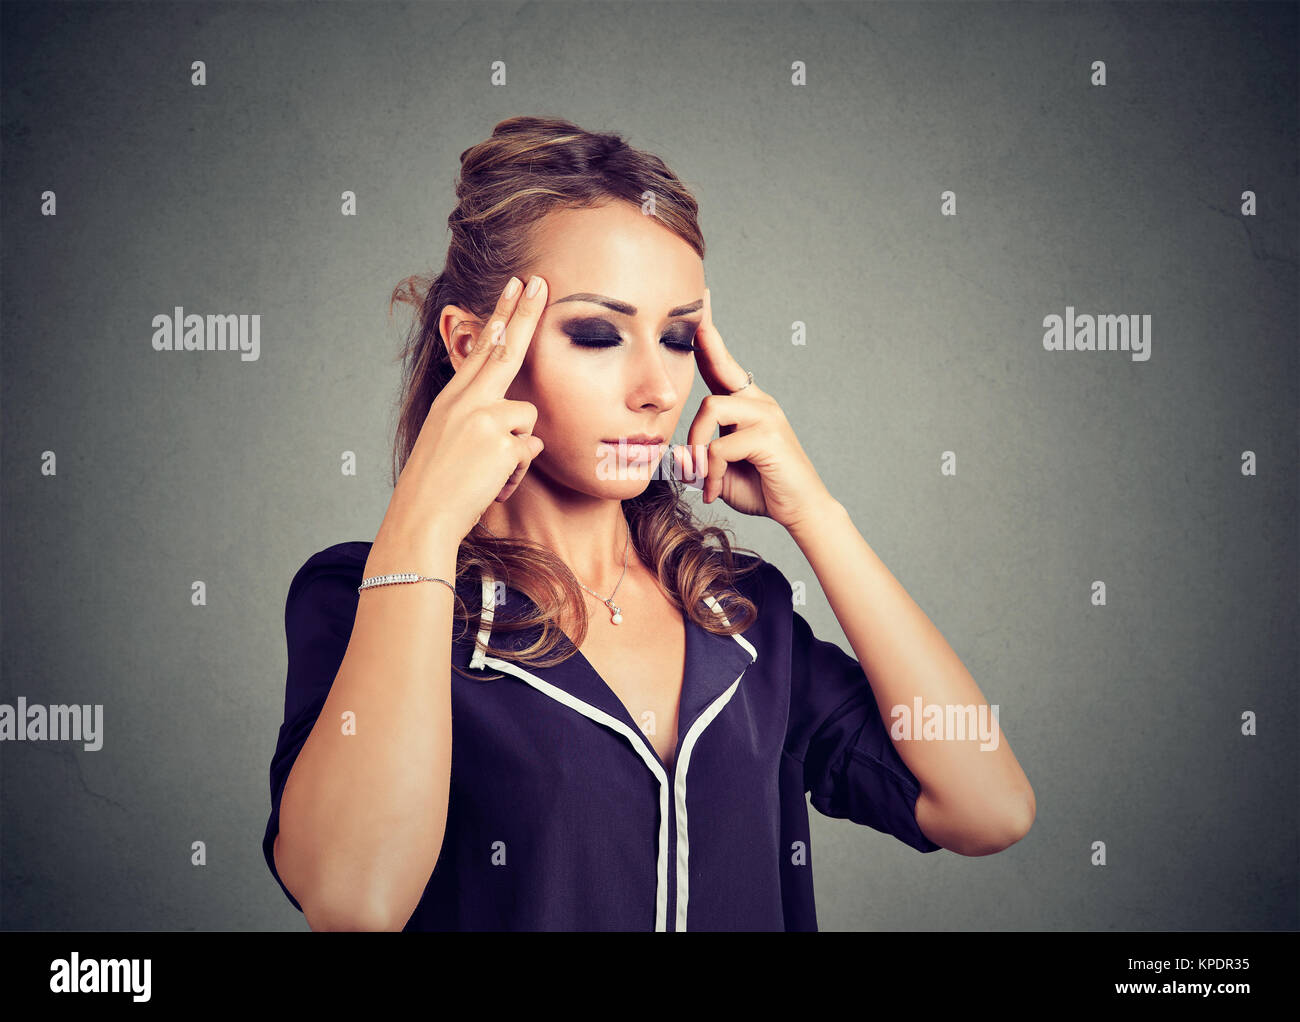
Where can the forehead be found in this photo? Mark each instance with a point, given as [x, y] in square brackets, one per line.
[617, 251]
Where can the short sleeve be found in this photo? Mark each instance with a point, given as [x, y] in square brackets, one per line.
[850, 765]
[319, 611]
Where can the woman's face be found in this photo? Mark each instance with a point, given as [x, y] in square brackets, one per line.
[611, 357]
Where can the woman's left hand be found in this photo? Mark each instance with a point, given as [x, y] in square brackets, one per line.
[756, 463]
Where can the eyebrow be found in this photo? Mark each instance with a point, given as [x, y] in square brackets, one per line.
[623, 307]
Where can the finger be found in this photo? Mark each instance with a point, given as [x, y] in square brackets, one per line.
[507, 348]
[720, 370]
[529, 447]
[518, 417]
[685, 461]
[739, 446]
[512, 482]
[483, 341]
[722, 410]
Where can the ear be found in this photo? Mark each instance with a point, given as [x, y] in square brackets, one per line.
[458, 328]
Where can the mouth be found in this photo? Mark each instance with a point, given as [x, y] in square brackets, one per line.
[637, 449]
[641, 440]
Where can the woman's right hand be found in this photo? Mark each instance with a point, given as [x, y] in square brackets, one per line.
[475, 445]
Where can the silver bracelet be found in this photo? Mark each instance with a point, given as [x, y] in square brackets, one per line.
[388, 580]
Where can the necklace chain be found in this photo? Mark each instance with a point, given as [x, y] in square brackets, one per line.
[614, 609]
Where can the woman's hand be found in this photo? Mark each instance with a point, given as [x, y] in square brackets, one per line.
[475, 444]
[756, 463]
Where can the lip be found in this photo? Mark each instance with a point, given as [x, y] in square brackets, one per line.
[640, 440]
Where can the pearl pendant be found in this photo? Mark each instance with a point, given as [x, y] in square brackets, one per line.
[618, 615]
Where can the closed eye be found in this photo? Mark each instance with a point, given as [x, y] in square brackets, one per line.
[593, 332]
[615, 342]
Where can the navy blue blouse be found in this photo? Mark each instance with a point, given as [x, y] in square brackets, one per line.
[561, 815]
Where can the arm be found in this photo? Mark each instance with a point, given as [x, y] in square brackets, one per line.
[363, 815]
[973, 801]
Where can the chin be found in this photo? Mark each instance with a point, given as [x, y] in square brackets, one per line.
[620, 489]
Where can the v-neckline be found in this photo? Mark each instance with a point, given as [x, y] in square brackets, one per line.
[628, 715]
[713, 663]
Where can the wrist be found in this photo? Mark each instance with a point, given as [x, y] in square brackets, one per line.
[430, 550]
[826, 513]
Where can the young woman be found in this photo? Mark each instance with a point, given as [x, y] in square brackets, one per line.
[544, 697]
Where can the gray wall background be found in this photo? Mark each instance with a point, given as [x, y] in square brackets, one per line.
[819, 203]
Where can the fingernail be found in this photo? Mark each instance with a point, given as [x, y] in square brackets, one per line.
[533, 285]
[512, 288]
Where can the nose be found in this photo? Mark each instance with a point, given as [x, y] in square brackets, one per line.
[650, 384]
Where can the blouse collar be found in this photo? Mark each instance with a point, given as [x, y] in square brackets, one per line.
[713, 662]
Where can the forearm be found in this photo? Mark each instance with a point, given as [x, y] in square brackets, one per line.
[363, 814]
[974, 799]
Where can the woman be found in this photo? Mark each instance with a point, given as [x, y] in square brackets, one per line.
[543, 697]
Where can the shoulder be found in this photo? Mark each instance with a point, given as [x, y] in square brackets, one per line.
[763, 582]
[335, 569]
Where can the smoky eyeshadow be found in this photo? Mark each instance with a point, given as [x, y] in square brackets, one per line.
[593, 328]
[590, 326]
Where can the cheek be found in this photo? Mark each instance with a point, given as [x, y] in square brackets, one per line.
[560, 390]
[564, 379]
[683, 380]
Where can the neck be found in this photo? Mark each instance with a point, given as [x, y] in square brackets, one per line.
[588, 534]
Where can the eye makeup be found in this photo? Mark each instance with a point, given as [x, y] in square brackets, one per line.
[593, 332]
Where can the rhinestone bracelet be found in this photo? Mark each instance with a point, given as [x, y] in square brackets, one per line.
[388, 580]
